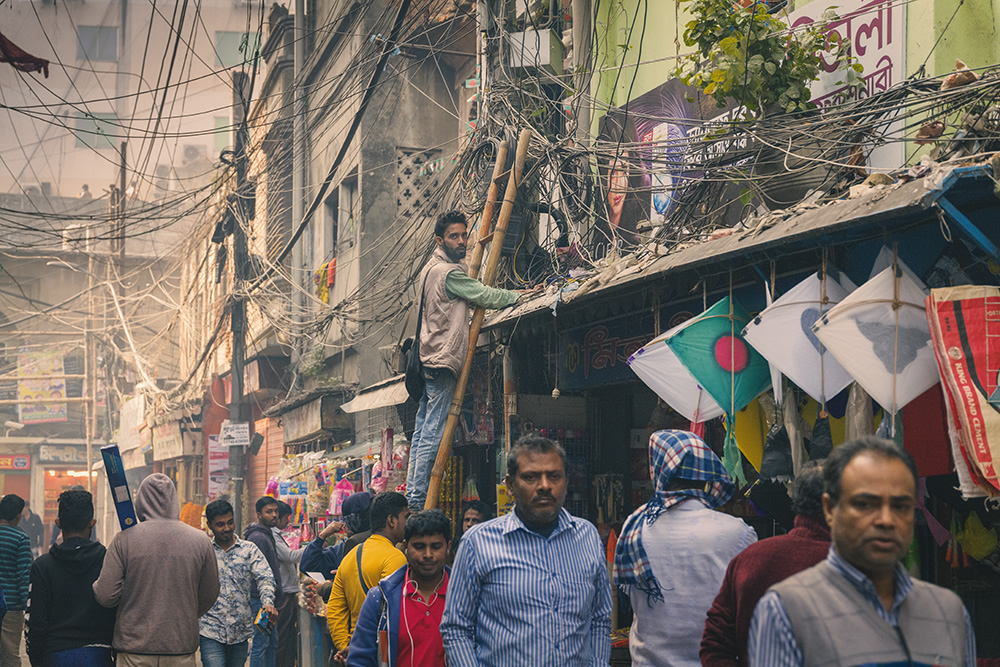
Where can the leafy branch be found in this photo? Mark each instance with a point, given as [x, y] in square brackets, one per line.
[749, 56]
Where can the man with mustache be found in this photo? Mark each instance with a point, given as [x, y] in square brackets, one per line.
[859, 606]
[530, 587]
[446, 292]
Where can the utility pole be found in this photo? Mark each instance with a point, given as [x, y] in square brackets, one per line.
[237, 458]
[90, 407]
[299, 259]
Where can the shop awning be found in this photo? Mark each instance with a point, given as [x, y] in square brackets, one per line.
[963, 195]
[379, 395]
[356, 451]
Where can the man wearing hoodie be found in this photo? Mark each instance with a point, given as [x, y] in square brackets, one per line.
[264, 647]
[65, 625]
[400, 621]
[162, 576]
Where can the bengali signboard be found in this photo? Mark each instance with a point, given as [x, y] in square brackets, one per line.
[875, 30]
[33, 362]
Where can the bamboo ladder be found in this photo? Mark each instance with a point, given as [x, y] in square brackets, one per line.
[489, 275]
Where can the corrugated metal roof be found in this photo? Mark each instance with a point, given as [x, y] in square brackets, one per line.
[890, 208]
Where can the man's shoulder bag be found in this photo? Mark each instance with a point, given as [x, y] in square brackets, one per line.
[414, 369]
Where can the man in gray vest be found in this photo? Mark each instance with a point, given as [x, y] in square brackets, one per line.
[859, 606]
[444, 340]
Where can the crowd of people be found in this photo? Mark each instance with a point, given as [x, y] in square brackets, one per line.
[531, 587]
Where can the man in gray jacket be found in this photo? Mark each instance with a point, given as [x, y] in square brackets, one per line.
[162, 575]
[444, 339]
[859, 606]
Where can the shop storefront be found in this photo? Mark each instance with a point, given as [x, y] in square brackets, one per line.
[59, 467]
[568, 375]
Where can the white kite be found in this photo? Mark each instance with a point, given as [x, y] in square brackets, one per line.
[880, 335]
[783, 335]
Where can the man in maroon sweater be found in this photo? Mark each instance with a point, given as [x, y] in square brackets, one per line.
[760, 566]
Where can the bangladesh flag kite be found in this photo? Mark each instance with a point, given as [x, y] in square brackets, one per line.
[703, 368]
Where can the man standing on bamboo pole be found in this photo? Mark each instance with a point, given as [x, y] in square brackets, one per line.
[447, 291]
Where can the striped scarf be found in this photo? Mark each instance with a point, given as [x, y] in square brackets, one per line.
[672, 455]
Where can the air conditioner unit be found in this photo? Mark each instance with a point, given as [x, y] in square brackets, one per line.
[537, 51]
[77, 237]
[195, 153]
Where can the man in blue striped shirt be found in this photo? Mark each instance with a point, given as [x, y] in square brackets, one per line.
[859, 607]
[531, 587]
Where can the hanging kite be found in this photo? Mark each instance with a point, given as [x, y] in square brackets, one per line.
[706, 358]
[783, 335]
[657, 365]
[879, 334]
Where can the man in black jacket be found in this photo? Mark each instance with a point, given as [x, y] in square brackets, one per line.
[264, 647]
[65, 624]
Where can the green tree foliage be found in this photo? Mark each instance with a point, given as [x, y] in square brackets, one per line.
[750, 56]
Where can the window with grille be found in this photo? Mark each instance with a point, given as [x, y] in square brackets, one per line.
[418, 176]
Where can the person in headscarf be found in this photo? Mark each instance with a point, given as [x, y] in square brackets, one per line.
[673, 551]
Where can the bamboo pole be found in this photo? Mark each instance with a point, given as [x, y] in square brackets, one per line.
[489, 275]
[499, 169]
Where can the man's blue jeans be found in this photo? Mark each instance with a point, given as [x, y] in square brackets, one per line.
[431, 417]
[217, 654]
[264, 648]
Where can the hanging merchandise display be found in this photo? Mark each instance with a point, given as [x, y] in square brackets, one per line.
[821, 439]
[751, 428]
[977, 540]
[879, 334]
[295, 492]
[706, 358]
[776, 463]
[783, 335]
[791, 418]
[471, 490]
[342, 490]
[859, 418]
[389, 472]
[965, 326]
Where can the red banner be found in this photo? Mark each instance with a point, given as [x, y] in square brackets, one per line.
[15, 461]
[965, 328]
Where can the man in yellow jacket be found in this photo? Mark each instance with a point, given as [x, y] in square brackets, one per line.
[364, 566]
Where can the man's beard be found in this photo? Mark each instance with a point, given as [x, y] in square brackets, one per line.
[455, 255]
